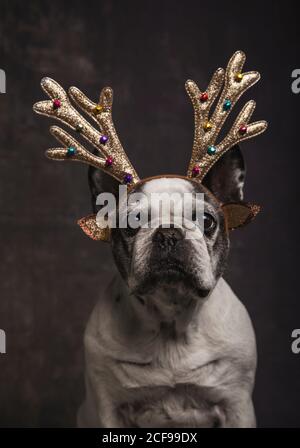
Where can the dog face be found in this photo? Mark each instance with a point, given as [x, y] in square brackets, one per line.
[170, 254]
[171, 259]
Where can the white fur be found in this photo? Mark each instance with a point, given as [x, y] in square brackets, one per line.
[132, 361]
[167, 185]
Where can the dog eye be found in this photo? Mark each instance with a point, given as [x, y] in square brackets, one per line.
[209, 222]
[132, 230]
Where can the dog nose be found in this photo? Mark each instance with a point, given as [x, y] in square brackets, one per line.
[167, 238]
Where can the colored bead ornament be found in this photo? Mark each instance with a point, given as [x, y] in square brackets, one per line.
[71, 151]
[79, 128]
[207, 126]
[103, 139]
[243, 129]
[56, 103]
[196, 170]
[226, 105]
[98, 109]
[203, 97]
[238, 77]
[211, 150]
[127, 178]
[109, 161]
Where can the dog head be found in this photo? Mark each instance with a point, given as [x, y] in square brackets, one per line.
[170, 259]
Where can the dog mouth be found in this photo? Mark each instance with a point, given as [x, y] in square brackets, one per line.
[169, 266]
[169, 273]
[170, 269]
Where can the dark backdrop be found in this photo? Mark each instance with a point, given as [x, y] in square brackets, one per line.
[50, 272]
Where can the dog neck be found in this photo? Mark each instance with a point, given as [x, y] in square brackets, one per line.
[168, 309]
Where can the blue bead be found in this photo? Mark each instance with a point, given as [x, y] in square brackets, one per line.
[211, 150]
[71, 151]
[227, 105]
[127, 178]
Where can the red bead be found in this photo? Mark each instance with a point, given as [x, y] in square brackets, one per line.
[243, 129]
[196, 170]
[109, 161]
[203, 97]
[56, 103]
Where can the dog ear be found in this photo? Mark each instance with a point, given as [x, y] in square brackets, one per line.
[99, 182]
[226, 181]
[238, 214]
[227, 176]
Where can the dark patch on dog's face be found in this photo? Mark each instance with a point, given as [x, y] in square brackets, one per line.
[156, 259]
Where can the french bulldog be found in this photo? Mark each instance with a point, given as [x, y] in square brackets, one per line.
[169, 344]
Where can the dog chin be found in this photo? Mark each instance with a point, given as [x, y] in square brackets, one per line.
[176, 280]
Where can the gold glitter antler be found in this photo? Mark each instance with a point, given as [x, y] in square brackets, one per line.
[205, 153]
[112, 158]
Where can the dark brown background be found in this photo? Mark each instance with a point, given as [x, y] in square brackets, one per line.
[50, 272]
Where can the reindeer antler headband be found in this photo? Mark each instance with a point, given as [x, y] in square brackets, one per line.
[112, 158]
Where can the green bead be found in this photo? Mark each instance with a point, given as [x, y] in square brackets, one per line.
[211, 150]
[227, 105]
[71, 151]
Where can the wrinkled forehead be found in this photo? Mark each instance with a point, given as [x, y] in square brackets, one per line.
[173, 186]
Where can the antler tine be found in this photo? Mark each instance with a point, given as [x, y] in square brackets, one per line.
[204, 153]
[236, 83]
[107, 143]
[236, 134]
[72, 150]
[101, 113]
[76, 152]
[95, 111]
[202, 102]
[61, 109]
